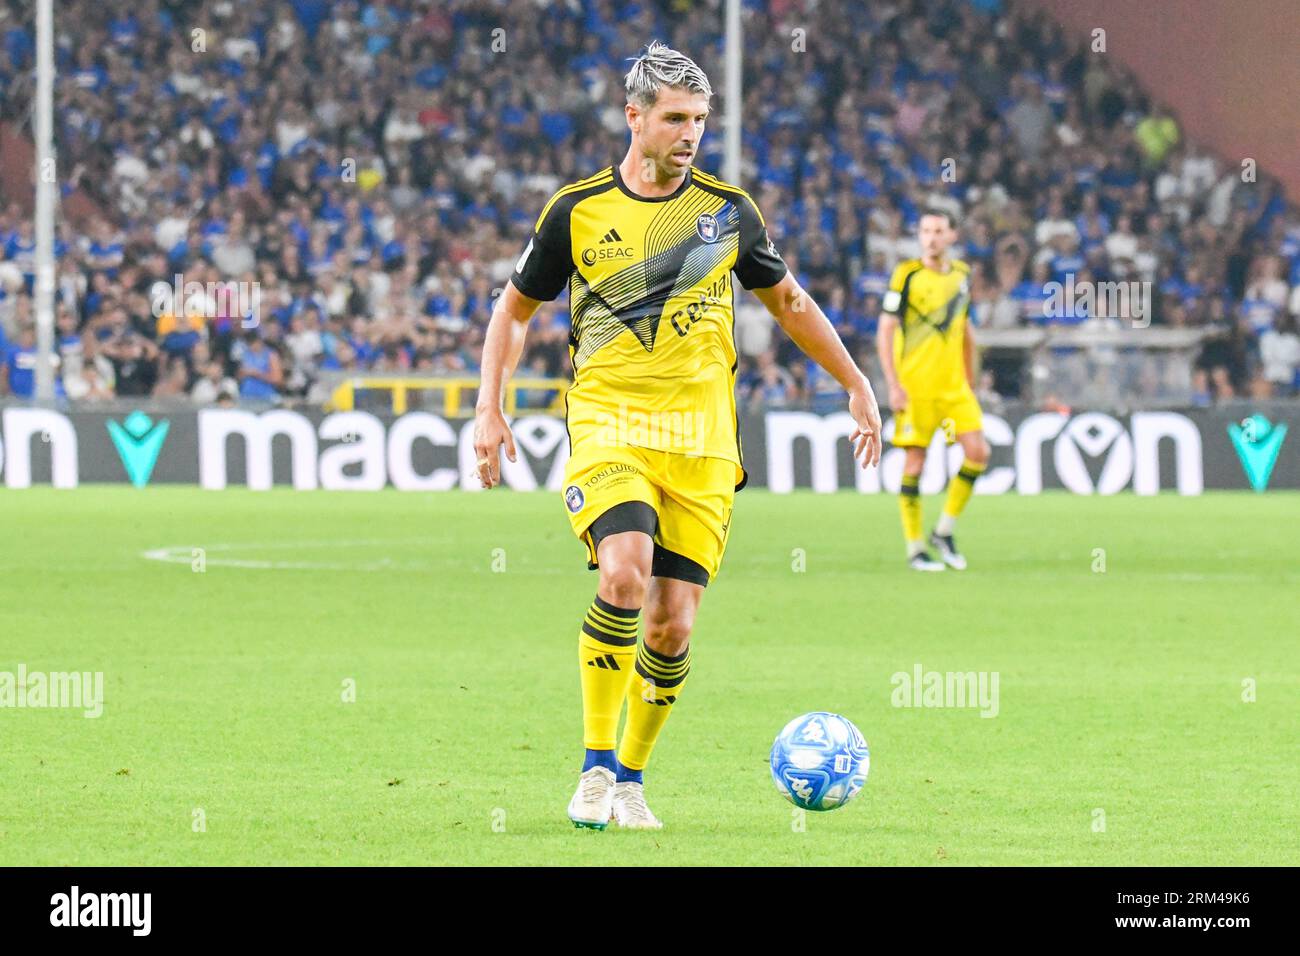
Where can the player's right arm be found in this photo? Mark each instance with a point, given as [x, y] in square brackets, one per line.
[885, 349]
[541, 272]
[890, 316]
[502, 347]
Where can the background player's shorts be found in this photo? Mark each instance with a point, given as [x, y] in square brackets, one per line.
[916, 424]
[689, 498]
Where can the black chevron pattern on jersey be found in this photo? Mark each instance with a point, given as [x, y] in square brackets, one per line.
[676, 259]
[936, 322]
[949, 312]
[954, 306]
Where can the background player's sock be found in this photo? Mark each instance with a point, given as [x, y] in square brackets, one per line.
[909, 505]
[606, 651]
[600, 758]
[627, 774]
[959, 492]
[650, 699]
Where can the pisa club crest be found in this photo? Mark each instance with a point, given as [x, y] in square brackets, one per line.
[573, 499]
[707, 227]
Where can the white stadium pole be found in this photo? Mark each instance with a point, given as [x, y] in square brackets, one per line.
[46, 184]
[731, 119]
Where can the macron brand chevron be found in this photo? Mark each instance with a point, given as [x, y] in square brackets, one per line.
[1258, 442]
[138, 441]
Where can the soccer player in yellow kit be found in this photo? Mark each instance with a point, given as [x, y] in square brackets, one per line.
[647, 249]
[927, 354]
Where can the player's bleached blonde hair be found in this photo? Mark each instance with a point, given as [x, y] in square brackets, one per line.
[662, 66]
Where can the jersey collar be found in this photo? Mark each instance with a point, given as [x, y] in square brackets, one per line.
[686, 182]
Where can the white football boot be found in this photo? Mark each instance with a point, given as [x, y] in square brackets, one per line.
[630, 810]
[947, 549]
[593, 801]
[921, 561]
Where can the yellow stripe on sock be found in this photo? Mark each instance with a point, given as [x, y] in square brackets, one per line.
[648, 707]
[606, 672]
[608, 622]
[961, 487]
[909, 507]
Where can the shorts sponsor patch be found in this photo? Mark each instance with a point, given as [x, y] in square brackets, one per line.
[573, 499]
[615, 474]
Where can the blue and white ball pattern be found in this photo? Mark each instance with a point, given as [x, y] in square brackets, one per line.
[820, 761]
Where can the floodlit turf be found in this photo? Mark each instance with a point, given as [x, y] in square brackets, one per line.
[225, 738]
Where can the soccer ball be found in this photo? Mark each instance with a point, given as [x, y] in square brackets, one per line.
[819, 761]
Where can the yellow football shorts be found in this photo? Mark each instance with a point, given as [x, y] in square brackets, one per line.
[683, 502]
[916, 424]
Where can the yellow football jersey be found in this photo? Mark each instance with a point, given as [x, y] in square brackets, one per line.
[651, 308]
[933, 309]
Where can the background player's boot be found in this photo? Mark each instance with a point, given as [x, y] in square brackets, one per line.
[593, 801]
[630, 809]
[947, 548]
[921, 561]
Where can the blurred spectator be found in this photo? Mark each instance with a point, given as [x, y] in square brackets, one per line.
[769, 384]
[134, 359]
[1279, 354]
[260, 371]
[1030, 120]
[1220, 368]
[19, 369]
[174, 380]
[1156, 133]
[89, 384]
[213, 384]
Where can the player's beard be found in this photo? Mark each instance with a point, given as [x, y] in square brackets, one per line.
[665, 169]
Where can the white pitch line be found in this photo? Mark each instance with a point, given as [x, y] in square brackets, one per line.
[184, 554]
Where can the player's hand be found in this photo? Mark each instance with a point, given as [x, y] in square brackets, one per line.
[897, 398]
[490, 433]
[866, 438]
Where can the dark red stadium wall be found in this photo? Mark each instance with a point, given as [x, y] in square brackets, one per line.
[17, 157]
[1229, 68]
[17, 160]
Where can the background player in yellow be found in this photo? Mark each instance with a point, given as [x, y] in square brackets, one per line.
[648, 248]
[927, 354]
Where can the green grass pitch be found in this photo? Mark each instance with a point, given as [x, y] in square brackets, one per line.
[1122, 735]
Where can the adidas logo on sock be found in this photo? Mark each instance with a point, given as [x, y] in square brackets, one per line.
[606, 663]
[611, 236]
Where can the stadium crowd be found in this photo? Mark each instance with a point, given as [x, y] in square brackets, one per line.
[371, 169]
